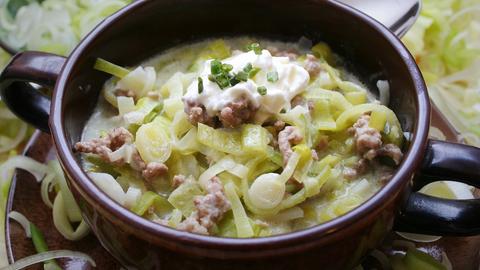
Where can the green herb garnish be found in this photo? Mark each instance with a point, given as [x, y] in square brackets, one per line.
[272, 76]
[241, 76]
[227, 67]
[253, 72]
[250, 70]
[200, 85]
[248, 67]
[255, 47]
[262, 90]
[216, 67]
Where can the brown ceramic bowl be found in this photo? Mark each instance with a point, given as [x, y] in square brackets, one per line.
[144, 29]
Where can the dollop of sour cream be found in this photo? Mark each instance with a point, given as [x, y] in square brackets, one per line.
[292, 81]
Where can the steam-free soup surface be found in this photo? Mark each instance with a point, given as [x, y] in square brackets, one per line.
[240, 138]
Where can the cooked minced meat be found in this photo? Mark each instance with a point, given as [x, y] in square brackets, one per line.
[113, 141]
[366, 138]
[369, 143]
[312, 65]
[290, 135]
[290, 53]
[154, 170]
[358, 169]
[237, 113]
[209, 209]
[104, 147]
[197, 114]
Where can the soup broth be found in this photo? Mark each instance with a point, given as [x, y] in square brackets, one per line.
[240, 137]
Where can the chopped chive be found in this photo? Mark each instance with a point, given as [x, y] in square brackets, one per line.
[255, 47]
[248, 67]
[283, 111]
[222, 81]
[227, 67]
[234, 81]
[216, 67]
[241, 76]
[272, 76]
[253, 72]
[200, 85]
[262, 90]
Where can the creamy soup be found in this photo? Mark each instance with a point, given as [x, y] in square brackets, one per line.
[240, 137]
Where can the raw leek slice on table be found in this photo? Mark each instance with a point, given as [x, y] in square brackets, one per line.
[54, 26]
[446, 44]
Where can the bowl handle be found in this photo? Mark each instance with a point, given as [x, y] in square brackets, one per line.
[435, 216]
[18, 89]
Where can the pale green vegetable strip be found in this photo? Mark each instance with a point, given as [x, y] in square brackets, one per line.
[322, 118]
[223, 140]
[254, 139]
[47, 256]
[110, 68]
[314, 184]
[242, 223]
[74, 213]
[62, 223]
[151, 199]
[41, 246]
[182, 197]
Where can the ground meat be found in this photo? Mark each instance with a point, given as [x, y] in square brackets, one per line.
[392, 151]
[279, 125]
[369, 145]
[103, 147]
[154, 170]
[312, 65]
[137, 162]
[209, 209]
[197, 114]
[124, 93]
[237, 113]
[297, 101]
[178, 180]
[290, 135]
[114, 140]
[366, 138]
[290, 53]
[232, 115]
[322, 144]
[191, 224]
[358, 169]
[301, 101]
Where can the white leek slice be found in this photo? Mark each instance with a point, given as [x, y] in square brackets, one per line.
[268, 190]
[22, 220]
[62, 223]
[47, 256]
[242, 222]
[109, 185]
[140, 81]
[125, 105]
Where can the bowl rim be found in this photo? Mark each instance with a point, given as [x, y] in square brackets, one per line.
[273, 245]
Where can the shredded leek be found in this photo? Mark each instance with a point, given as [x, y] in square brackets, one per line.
[110, 68]
[446, 44]
[47, 256]
[242, 222]
[54, 26]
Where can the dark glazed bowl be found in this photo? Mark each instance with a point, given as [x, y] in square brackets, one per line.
[144, 29]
